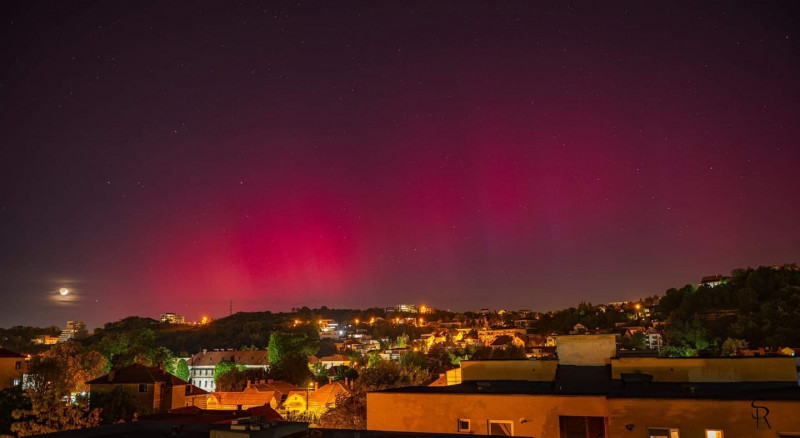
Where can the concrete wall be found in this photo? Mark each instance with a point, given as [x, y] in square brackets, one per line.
[738, 369]
[531, 415]
[591, 350]
[9, 371]
[693, 417]
[538, 415]
[530, 370]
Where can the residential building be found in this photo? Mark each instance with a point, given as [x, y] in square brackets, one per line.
[74, 330]
[201, 365]
[335, 360]
[252, 396]
[155, 390]
[713, 280]
[12, 367]
[654, 339]
[45, 340]
[589, 392]
[172, 318]
[318, 400]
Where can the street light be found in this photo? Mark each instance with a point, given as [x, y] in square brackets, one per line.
[308, 389]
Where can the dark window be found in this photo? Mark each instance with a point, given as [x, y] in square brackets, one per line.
[502, 428]
[463, 425]
[143, 387]
[582, 427]
[18, 365]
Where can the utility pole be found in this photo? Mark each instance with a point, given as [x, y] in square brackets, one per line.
[230, 310]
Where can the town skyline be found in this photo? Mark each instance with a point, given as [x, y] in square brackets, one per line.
[181, 156]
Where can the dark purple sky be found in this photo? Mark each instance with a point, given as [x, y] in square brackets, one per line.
[173, 156]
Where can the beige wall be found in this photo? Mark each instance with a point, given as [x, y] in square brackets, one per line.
[532, 415]
[9, 371]
[738, 369]
[693, 417]
[538, 415]
[530, 370]
[591, 350]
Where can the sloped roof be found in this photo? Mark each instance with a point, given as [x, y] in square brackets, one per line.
[10, 354]
[327, 394]
[502, 340]
[240, 357]
[279, 386]
[138, 373]
[335, 358]
[250, 396]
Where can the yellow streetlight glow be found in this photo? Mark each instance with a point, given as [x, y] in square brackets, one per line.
[356, 321]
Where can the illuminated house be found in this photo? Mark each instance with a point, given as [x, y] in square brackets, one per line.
[45, 340]
[319, 400]
[154, 389]
[589, 392]
[259, 394]
[335, 360]
[713, 280]
[12, 367]
[172, 318]
[201, 365]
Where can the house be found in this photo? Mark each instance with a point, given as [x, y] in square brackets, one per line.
[155, 390]
[12, 367]
[589, 392]
[201, 365]
[334, 360]
[503, 341]
[318, 400]
[655, 339]
[713, 280]
[270, 393]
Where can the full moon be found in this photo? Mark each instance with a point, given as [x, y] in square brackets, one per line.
[63, 291]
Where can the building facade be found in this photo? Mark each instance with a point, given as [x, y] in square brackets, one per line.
[586, 394]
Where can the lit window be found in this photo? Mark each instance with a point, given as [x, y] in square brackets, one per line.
[463, 425]
[714, 433]
[502, 428]
[17, 382]
[662, 433]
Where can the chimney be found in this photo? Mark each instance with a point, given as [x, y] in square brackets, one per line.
[330, 380]
[205, 350]
[269, 381]
[249, 383]
[316, 385]
[111, 375]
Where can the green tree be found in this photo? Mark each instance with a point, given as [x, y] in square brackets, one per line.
[117, 404]
[182, 369]
[374, 358]
[54, 377]
[11, 399]
[733, 347]
[282, 344]
[350, 411]
[292, 368]
[223, 367]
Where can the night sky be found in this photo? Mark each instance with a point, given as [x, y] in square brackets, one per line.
[174, 156]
